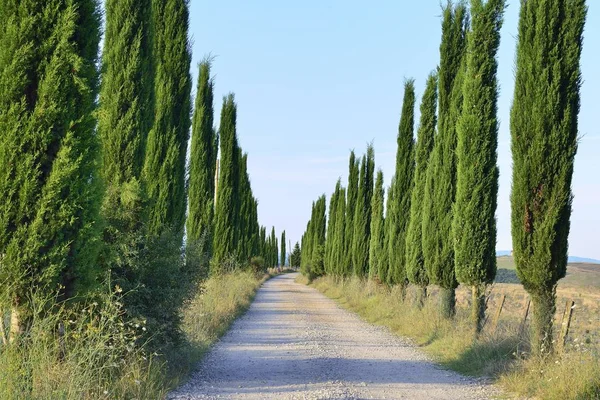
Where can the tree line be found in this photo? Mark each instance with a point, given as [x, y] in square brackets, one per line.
[95, 178]
[439, 225]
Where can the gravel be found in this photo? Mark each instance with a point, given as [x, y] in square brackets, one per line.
[295, 343]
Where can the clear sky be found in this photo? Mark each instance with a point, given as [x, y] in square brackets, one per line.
[314, 79]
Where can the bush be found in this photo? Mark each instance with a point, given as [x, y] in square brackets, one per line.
[257, 264]
[97, 356]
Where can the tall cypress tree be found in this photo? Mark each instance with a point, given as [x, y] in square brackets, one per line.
[403, 184]
[362, 215]
[244, 218]
[283, 250]
[544, 142]
[49, 234]
[263, 242]
[165, 164]
[295, 256]
[377, 246]
[415, 265]
[203, 161]
[440, 185]
[474, 225]
[331, 227]
[126, 98]
[273, 253]
[318, 226]
[339, 242]
[353, 172]
[224, 244]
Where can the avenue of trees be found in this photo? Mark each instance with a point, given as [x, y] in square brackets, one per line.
[95, 177]
[439, 225]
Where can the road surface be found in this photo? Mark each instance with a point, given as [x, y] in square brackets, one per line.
[295, 343]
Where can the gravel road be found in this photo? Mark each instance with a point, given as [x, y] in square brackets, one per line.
[295, 343]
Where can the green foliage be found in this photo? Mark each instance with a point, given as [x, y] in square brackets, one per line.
[402, 188]
[474, 225]
[257, 264]
[544, 142]
[362, 215]
[332, 226]
[313, 241]
[164, 169]
[338, 250]
[295, 256]
[353, 172]
[415, 264]
[49, 219]
[226, 213]
[283, 256]
[440, 186]
[126, 111]
[247, 219]
[377, 245]
[98, 356]
[203, 160]
[273, 253]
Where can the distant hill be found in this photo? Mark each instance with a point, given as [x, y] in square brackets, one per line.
[572, 259]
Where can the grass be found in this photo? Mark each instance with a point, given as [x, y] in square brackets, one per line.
[99, 357]
[502, 355]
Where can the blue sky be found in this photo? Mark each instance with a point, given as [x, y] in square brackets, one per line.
[315, 79]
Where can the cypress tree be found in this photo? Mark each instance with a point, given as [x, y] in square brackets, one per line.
[339, 244]
[126, 97]
[244, 218]
[306, 245]
[283, 250]
[544, 142]
[203, 161]
[318, 222]
[403, 184]
[387, 227]
[415, 266]
[362, 215]
[377, 246]
[353, 172]
[331, 226]
[263, 242]
[49, 230]
[440, 185]
[295, 256]
[273, 251]
[165, 164]
[474, 225]
[226, 223]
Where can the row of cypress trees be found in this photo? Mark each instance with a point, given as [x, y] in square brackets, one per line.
[439, 225]
[93, 169]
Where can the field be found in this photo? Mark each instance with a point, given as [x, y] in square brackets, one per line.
[582, 285]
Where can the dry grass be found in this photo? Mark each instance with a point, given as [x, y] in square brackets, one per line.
[501, 354]
[103, 359]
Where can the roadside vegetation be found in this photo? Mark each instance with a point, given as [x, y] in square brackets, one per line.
[110, 236]
[429, 273]
[503, 354]
[103, 355]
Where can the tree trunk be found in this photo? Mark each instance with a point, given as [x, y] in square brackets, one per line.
[15, 325]
[421, 296]
[447, 302]
[544, 306]
[478, 307]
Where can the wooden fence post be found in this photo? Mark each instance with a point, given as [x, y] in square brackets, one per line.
[522, 327]
[3, 330]
[565, 325]
[497, 316]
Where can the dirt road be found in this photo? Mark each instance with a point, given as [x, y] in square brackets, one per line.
[294, 343]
